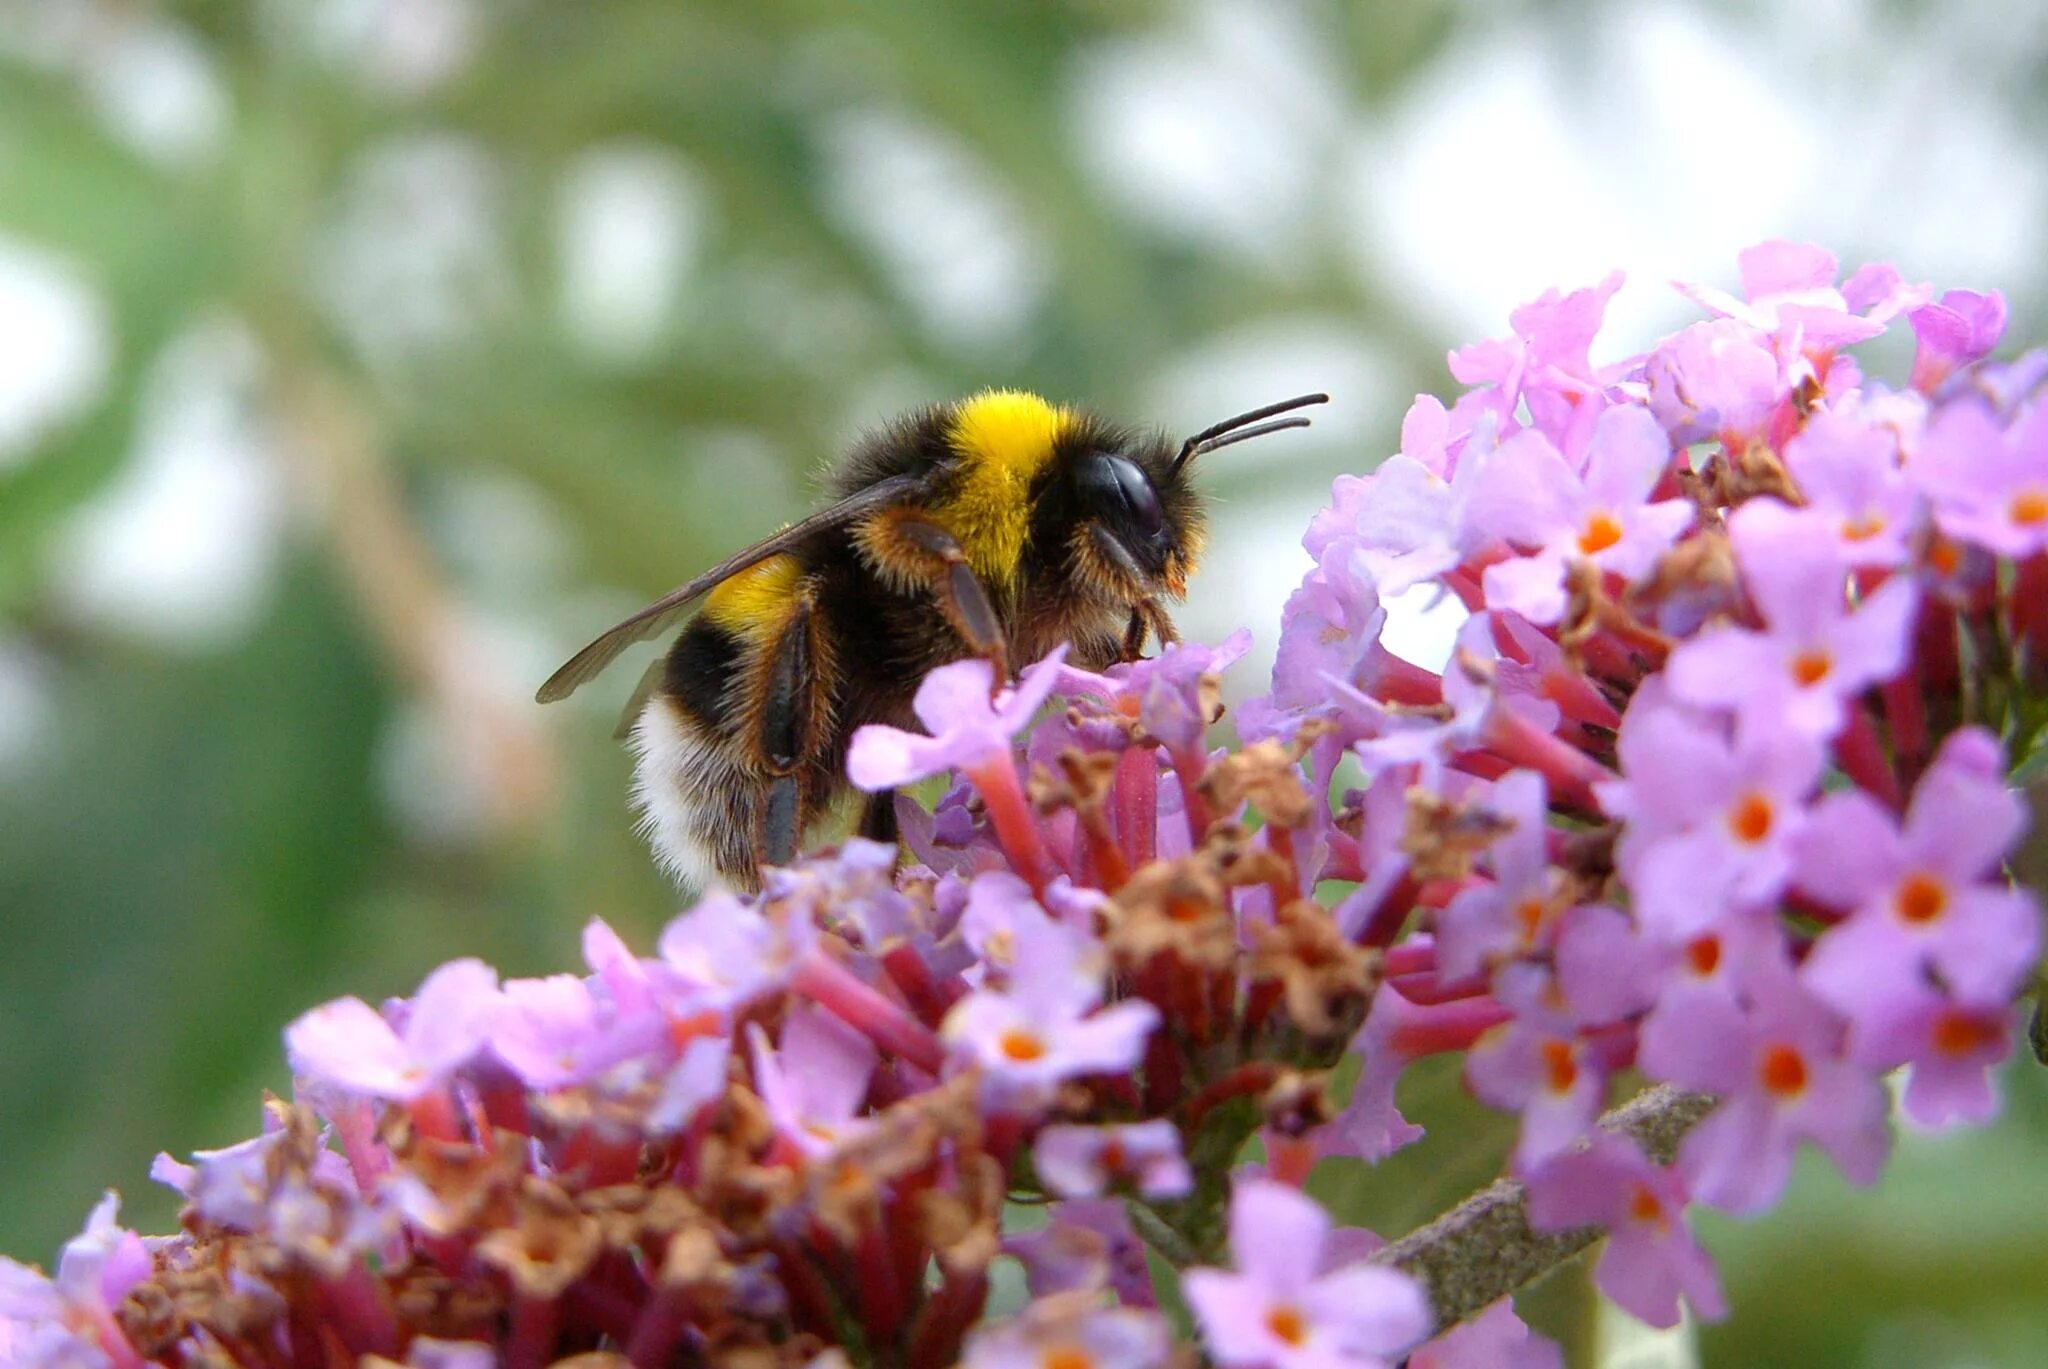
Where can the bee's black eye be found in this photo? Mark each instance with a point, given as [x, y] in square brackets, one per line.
[1117, 487]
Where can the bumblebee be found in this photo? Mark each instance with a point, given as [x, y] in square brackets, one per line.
[999, 526]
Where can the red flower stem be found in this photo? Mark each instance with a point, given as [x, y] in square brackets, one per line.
[1289, 1158]
[356, 1126]
[435, 1116]
[883, 1307]
[599, 1161]
[658, 1330]
[1385, 921]
[1570, 772]
[535, 1324]
[927, 997]
[1164, 1079]
[1136, 796]
[1410, 958]
[1248, 1080]
[1464, 582]
[504, 1105]
[1861, 756]
[1453, 1027]
[887, 1023]
[1287, 888]
[905, 1229]
[1111, 872]
[941, 1327]
[1396, 681]
[810, 1297]
[607, 1311]
[1427, 990]
[2028, 611]
[1017, 829]
[358, 1308]
[1189, 767]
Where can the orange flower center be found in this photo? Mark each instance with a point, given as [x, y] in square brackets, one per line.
[1783, 1072]
[1751, 818]
[1811, 667]
[1601, 532]
[1559, 1065]
[1066, 1357]
[1957, 1033]
[1643, 1205]
[1863, 527]
[1946, 557]
[2029, 506]
[1704, 954]
[1529, 918]
[1287, 1323]
[1115, 1159]
[1921, 898]
[1022, 1046]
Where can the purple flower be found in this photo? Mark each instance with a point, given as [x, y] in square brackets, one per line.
[68, 1320]
[1545, 363]
[1164, 692]
[555, 1032]
[723, 953]
[1533, 499]
[1711, 822]
[1789, 290]
[853, 891]
[1084, 1162]
[1925, 896]
[1814, 655]
[1951, 1048]
[1780, 1072]
[694, 1081]
[1495, 1339]
[1989, 483]
[1546, 1075]
[1515, 913]
[1957, 329]
[1606, 970]
[1408, 522]
[348, 1044]
[1651, 1258]
[1040, 1031]
[1278, 1309]
[1088, 1244]
[971, 724]
[1371, 1126]
[1858, 496]
[1070, 1333]
[1713, 379]
[814, 1086]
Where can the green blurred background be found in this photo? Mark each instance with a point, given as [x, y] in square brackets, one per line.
[359, 358]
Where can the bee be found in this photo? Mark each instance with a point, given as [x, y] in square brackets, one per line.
[997, 526]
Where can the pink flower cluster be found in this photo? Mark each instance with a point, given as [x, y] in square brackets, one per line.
[1712, 787]
[1744, 630]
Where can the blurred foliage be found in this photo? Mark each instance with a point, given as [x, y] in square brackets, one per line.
[200, 838]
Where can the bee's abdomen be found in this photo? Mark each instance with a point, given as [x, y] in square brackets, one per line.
[693, 785]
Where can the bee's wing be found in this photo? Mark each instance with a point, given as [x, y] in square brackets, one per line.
[584, 666]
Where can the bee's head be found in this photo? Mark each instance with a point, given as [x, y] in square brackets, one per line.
[1135, 520]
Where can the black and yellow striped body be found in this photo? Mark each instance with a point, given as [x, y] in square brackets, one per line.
[742, 744]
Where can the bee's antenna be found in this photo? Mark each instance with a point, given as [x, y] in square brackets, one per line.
[1228, 432]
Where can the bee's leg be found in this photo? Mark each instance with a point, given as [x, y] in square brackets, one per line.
[1146, 615]
[911, 547]
[788, 725]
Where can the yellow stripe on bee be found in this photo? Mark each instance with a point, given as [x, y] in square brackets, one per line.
[1006, 437]
[754, 602]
